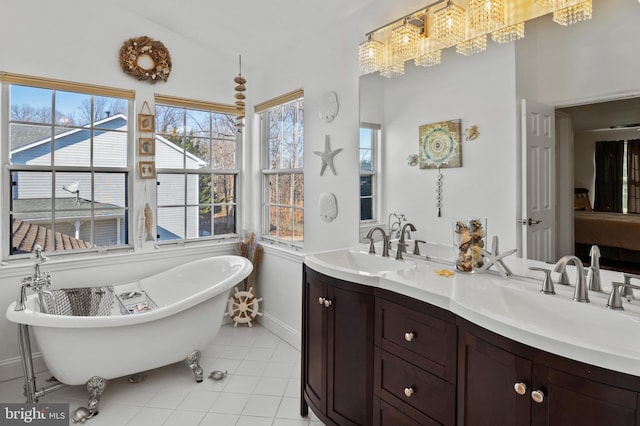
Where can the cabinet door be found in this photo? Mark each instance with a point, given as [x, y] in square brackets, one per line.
[350, 357]
[573, 400]
[314, 342]
[486, 379]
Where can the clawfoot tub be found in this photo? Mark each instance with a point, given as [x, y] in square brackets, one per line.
[93, 334]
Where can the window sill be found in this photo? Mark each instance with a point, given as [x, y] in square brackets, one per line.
[283, 250]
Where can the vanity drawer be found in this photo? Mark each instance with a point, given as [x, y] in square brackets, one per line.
[385, 414]
[429, 341]
[415, 392]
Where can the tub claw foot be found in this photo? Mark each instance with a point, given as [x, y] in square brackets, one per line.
[81, 415]
[193, 361]
[96, 386]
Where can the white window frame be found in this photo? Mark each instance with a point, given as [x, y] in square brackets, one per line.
[375, 172]
[8, 79]
[213, 108]
[267, 172]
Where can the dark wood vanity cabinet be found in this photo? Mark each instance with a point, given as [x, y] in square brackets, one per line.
[415, 362]
[501, 382]
[337, 348]
[375, 357]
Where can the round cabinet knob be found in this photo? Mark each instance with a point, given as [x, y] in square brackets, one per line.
[321, 300]
[520, 388]
[327, 303]
[537, 396]
[409, 391]
[409, 336]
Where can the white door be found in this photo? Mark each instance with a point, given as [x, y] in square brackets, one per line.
[538, 182]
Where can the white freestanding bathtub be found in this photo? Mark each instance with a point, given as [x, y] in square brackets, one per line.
[188, 304]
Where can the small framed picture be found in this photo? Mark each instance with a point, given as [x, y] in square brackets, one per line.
[147, 169]
[146, 123]
[146, 146]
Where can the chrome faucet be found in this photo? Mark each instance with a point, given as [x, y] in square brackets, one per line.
[397, 225]
[402, 246]
[40, 282]
[385, 241]
[627, 290]
[581, 293]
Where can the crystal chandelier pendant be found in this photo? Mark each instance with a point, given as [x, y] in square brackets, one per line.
[508, 34]
[472, 46]
[450, 23]
[370, 55]
[572, 14]
[429, 59]
[427, 56]
[486, 15]
[393, 70]
[404, 41]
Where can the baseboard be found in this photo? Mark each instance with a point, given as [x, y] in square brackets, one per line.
[281, 329]
[12, 368]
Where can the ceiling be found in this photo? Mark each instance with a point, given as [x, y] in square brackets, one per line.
[610, 115]
[254, 29]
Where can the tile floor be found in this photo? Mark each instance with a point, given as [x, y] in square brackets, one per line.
[262, 388]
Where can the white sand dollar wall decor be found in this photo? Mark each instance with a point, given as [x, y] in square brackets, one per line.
[328, 206]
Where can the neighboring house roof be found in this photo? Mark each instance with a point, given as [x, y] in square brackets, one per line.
[41, 147]
[26, 235]
[34, 209]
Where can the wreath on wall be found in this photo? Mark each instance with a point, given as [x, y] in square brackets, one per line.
[145, 59]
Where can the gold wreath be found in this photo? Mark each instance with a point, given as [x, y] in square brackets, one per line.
[135, 48]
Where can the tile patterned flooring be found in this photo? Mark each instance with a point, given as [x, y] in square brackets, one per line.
[261, 389]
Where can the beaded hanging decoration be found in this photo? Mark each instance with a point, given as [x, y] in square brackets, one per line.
[439, 192]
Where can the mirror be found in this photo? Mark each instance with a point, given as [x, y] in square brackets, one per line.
[599, 121]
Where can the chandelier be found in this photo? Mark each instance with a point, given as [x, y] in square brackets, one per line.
[572, 14]
[404, 41]
[472, 46]
[421, 35]
[450, 24]
[486, 15]
[508, 34]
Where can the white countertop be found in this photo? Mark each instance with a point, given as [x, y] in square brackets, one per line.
[513, 307]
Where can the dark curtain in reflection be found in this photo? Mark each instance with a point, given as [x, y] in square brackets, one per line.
[608, 189]
[633, 176]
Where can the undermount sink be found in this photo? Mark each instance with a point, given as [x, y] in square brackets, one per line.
[355, 265]
[519, 304]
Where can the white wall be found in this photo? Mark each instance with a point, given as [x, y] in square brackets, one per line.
[478, 90]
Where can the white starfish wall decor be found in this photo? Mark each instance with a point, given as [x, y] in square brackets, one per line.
[327, 156]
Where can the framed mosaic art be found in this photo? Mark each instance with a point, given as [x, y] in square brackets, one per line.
[439, 145]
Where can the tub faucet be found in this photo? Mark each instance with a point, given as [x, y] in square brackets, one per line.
[402, 246]
[581, 293]
[40, 282]
[385, 241]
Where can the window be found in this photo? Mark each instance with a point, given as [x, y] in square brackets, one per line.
[369, 136]
[282, 122]
[68, 159]
[196, 163]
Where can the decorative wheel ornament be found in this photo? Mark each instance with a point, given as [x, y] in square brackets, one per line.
[243, 307]
[145, 59]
